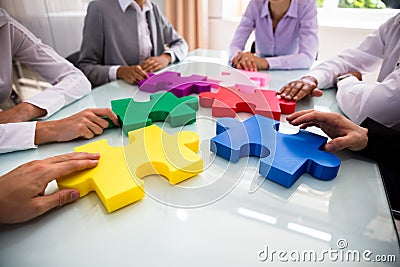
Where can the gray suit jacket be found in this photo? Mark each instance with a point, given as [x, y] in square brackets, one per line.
[110, 37]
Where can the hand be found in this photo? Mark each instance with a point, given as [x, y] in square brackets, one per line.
[344, 132]
[131, 74]
[86, 124]
[153, 64]
[297, 90]
[248, 61]
[21, 112]
[22, 189]
[356, 74]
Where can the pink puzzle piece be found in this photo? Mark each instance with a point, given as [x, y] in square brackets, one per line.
[233, 76]
[230, 100]
[261, 79]
[175, 83]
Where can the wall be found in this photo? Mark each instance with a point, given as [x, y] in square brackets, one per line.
[58, 23]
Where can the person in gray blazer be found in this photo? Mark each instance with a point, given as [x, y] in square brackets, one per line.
[126, 39]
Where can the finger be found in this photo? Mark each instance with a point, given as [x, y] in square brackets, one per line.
[146, 64]
[337, 144]
[296, 115]
[237, 59]
[72, 156]
[106, 112]
[246, 64]
[95, 128]
[317, 92]
[139, 72]
[253, 66]
[61, 169]
[58, 199]
[96, 115]
[154, 66]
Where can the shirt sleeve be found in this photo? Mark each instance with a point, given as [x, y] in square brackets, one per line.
[175, 42]
[383, 142]
[308, 43]
[366, 57]
[243, 31]
[68, 83]
[17, 136]
[378, 100]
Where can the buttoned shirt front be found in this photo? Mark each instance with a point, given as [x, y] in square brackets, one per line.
[145, 45]
[293, 45]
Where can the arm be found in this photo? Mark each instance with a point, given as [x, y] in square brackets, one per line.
[91, 51]
[25, 135]
[68, 83]
[243, 31]
[22, 189]
[308, 42]
[344, 133]
[366, 57]
[378, 100]
[176, 43]
[371, 139]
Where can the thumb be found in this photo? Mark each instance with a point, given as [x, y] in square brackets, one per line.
[316, 92]
[57, 199]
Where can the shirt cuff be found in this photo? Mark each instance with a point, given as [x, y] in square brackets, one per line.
[321, 77]
[172, 54]
[112, 73]
[17, 136]
[48, 100]
[347, 81]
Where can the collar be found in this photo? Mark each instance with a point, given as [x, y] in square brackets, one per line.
[292, 11]
[124, 4]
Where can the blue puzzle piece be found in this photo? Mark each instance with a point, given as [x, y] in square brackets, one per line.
[284, 157]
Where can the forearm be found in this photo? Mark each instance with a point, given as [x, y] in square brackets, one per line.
[379, 101]
[21, 112]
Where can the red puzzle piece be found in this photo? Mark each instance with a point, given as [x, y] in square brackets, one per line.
[230, 100]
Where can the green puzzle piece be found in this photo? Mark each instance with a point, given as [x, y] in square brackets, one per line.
[161, 107]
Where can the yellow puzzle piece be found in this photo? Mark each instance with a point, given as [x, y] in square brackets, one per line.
[117, 178]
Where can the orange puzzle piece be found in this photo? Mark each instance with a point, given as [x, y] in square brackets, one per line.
[117, 178]
[230, 100]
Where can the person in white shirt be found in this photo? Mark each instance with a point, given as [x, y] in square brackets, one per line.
[358, 99]
[17, 131]
[126, 39]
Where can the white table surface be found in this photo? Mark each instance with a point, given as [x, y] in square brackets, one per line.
[218, 218]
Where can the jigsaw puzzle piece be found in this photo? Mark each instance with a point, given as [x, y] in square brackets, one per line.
[230, 100]
[117, 179]
[231, 77]
[175, 83]
[284, 157]
[161, 107]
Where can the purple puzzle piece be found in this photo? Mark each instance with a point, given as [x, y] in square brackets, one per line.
[175, 83]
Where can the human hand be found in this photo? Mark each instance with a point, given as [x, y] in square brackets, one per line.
[250, 62]
[131, 74]
[22, 189]
[344, 132]
[153, 64]
[297, 90]
[21, 112]
[356, 74]
[85, 124]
